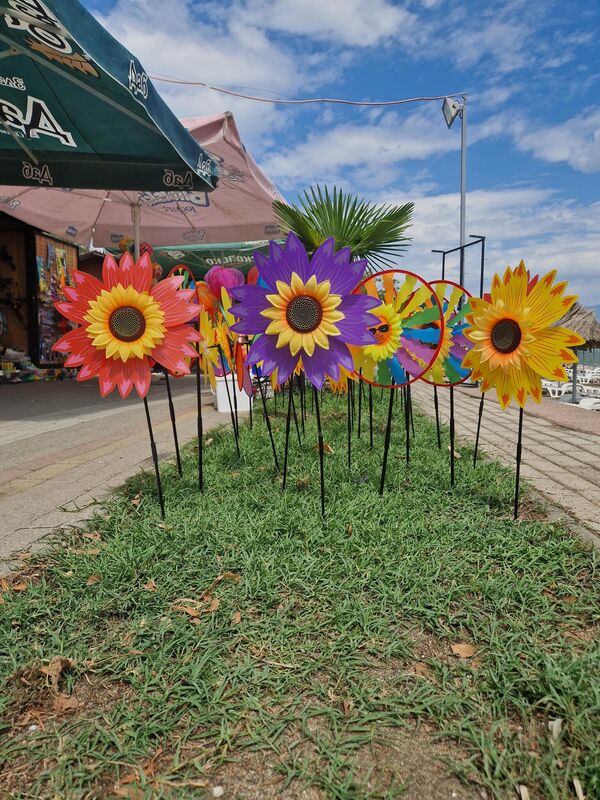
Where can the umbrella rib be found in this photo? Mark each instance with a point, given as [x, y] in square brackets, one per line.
[17, 139]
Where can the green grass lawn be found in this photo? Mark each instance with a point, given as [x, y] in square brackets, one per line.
[248, 644]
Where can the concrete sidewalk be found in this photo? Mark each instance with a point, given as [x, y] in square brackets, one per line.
[561, 463]
[63, 448]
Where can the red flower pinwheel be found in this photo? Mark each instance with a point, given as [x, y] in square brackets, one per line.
[125, 324]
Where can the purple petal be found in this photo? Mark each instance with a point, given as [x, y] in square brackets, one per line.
[250, 322]
[342, 354]
[273, 358]
[410, 365]
[249, 294]
[272, 268]
[345, 276]
[318, 365]
[321, 261]
[423, 351]
[296, 257]
[357, 319]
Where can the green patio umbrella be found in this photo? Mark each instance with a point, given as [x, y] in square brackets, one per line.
[78, 110]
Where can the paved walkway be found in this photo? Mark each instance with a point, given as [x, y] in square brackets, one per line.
[563, 463]
[63, 448]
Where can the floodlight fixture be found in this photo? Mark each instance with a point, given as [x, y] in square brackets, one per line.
[451, 109]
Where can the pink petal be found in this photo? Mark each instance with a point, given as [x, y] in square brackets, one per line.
[175, 348]
[141, 375]
[84, 286]
[138, 275]
[174, 304]
[72, 311]
[110, 272]
[92, 365]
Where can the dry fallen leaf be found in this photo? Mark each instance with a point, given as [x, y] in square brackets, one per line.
[93, 535]
[578, 789]
[21, 586]
[568, 598]
[150, 586]
[214, 605]
[4, 585]
[236, 618]
[209, 441]
[189, 610]
[54, 669]
[524, 792]
[64, 702]
[327, 448]
[555, 728]
[129, 792]
[421, 669]
[463, 650]
[92, 580]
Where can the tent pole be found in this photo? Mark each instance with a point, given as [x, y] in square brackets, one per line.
[135, 218]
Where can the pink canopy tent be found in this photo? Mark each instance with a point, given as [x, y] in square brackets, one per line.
[239, 209]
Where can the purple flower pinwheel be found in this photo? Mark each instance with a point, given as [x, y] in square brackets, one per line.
[307, 311]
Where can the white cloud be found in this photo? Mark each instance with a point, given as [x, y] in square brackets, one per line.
[171, 39]
[576, 141]
[367, 153]
[520, 223]
[359, 23]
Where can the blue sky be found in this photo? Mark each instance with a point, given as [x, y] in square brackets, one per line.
[531, 72]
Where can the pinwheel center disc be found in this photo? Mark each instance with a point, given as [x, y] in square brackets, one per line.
[127, 323]
[506, 335]
[304, 314]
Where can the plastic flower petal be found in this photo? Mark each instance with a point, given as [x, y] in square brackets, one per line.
[448, 369]
[514, 343]
[303, 311]
[126, 324]
[408, 327]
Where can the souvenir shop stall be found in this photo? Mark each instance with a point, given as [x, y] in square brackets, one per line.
[34, 269]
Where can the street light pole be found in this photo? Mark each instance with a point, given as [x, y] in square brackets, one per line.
[463, 186]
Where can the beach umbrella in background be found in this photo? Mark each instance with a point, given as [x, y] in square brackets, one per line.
[239, 211]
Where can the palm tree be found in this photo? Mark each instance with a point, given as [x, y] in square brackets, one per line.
[371, 231]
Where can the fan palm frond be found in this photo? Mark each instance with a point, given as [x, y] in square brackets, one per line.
[371, 231]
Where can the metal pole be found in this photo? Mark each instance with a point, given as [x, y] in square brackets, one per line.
[463, 187]
[574, 384]
[135, 218]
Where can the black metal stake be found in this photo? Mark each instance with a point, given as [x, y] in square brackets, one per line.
[294, 410]
[351, 390]
[519, 452]
[386, 445]
[452, 436]
[349, 414]
[481, 402]
[321, 450]
[437, 416]
[360, 397]
[288, 421]
[173, 424]
[370, 416]
[237, 444]
[268, 421]
[200, 426]
[155, 459]
[407, 430]
[302, 387]
[410, 409]
[235, 394]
